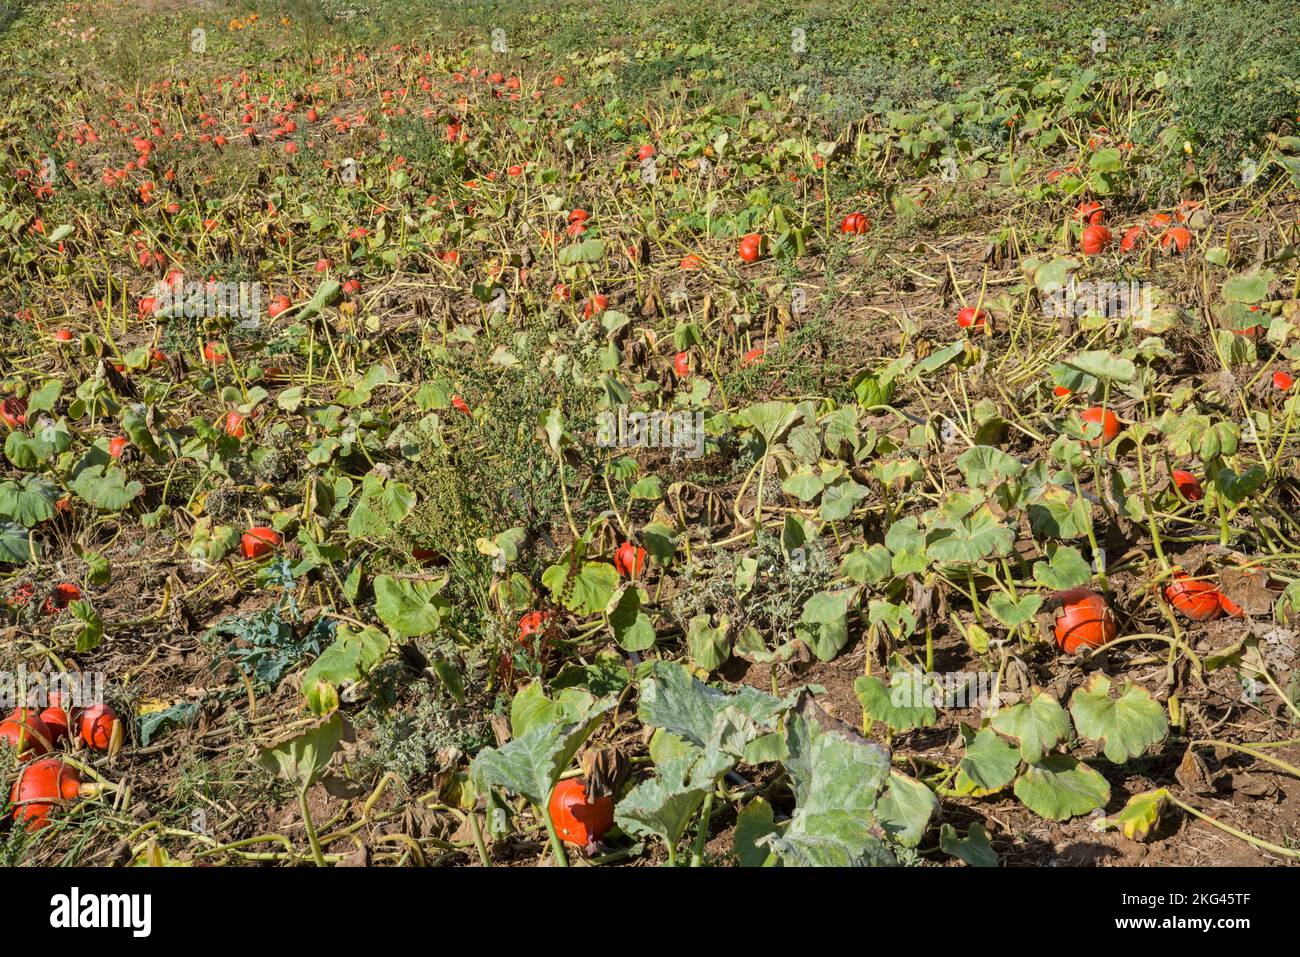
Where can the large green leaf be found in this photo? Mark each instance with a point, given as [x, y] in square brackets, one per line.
[769, 419]
[1248, 287]
[937, 359]
[907, 702]
[664, 805]
[27, 451]
[1012, 611]
[633, 629]
[530, 707]
[867, 565]
[824, 624]
[989, 764]
[709, 644]
[980, 536]
[531, 764]
[907, 543]
[839, 500]
[28, 502]
[586, 593]
[16, 545]
[301, 759]
[984, 465]
[837, 784]
[1103, 365]
[588, 251]
[1064, 569]
[353, 654]
[905, 809]
[671, 698]
[1059, 513]
[1037, 725]
[380, 506]
[753, 824]
[409, 607]
[106, 488]
[1061, 787]
[1125, 726]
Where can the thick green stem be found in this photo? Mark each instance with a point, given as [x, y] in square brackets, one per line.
[478, 840]
[311, 829]
[557, 846]
[701, 838]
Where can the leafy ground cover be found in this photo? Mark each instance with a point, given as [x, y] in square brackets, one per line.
[750, 434]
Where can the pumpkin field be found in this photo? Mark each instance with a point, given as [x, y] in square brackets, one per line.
[769, 433]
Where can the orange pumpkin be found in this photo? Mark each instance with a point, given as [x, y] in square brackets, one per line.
[1106, 419]
[577, 820]
[26, 732]
[630, 560]
[97, 724]
[258, 541]
[44, 783]
[1187, 485]
[1096, 240]
[1195, 600]
[1085, 620]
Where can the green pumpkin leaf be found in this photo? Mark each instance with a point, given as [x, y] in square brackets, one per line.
[988, 765]
[1012, 612]
[907, 542]
[1060, 787]
[1064, 569]
[754, 823]
[974, 849]
[353, 655]
[327, 293]
[380, 507]
[985, 466]
[709, 645]
[1101, 364]
[588, 251]
[1248, 287]
[905, 809]
[531, 764]
[301, 759]
[671, 698]
[586, 593]
[665, 805]
[28, 502]
[106, 488]
[1125, 726]
[633, 629]
[1037, 725]
[905, 703]
[769, 419]
[408, 606]
[837, 784]
[977, 537]
[824, 624]
[867, 566]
